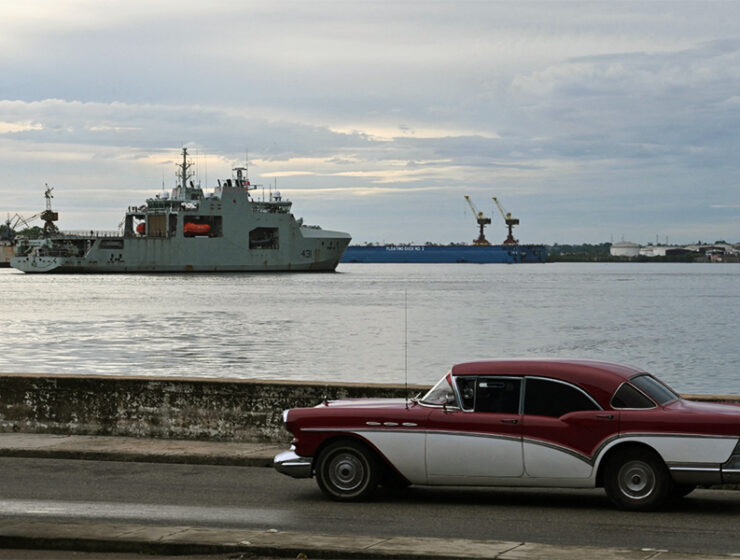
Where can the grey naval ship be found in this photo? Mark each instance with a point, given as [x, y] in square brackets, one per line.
[189, 231]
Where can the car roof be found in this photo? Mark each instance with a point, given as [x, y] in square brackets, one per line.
[600, 379]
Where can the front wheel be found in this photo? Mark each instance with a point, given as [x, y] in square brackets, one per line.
[637, 480]
[347, 471]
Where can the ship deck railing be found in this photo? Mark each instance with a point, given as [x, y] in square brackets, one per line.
[92, 233]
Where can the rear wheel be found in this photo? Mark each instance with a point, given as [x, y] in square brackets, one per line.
[637, 480]
[347, 471]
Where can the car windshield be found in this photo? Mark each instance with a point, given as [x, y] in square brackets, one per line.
[441, 394]
[654, 388]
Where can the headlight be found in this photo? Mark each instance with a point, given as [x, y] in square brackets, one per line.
[285, 416]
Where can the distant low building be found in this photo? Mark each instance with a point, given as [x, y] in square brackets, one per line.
[656, 251]
[624, 249]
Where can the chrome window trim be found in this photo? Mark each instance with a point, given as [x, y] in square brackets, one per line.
[567, 383]
[441, 406]
[648, 397]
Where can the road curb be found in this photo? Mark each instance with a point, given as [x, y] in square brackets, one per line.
[183, 458]
[178, 540]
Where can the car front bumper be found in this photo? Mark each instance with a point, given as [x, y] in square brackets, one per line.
[293, 465]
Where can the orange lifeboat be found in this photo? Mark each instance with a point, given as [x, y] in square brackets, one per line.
[192, 229]
[141, 228]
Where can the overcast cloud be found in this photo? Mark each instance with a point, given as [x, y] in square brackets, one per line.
[590, 121]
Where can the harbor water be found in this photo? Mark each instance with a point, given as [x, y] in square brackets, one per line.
[377, 322]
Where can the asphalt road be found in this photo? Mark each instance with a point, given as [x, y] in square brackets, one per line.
[66, 490]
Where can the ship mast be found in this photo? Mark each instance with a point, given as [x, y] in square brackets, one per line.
[183, 169]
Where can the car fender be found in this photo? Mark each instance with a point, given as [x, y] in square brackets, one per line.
[678, 451]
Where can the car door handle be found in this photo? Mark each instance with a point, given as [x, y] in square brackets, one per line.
[509, 421]
[605, 416]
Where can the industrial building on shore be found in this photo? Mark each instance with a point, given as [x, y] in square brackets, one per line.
[715, 252]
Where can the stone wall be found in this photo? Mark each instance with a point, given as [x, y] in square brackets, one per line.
[226, 410]
[232, 410]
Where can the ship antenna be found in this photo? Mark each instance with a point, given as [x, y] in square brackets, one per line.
[406, 345]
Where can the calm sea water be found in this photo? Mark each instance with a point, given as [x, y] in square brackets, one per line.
[366, 322]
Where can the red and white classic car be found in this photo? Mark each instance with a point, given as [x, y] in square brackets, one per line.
[546, 423]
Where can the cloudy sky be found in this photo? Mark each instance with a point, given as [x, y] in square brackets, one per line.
[590, 121]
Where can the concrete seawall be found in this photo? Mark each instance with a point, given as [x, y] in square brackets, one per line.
[207, 409]
[192, 408]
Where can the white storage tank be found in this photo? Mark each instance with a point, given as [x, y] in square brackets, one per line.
[624, 249]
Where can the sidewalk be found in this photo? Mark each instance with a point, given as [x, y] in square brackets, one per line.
[119, 537]
[146, 539]
[108, 448]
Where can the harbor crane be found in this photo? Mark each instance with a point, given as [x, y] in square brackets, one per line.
[510, 223]
[7, 233]
[48, 215]
[482, 220]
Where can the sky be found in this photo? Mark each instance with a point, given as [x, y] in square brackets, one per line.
[589, 121]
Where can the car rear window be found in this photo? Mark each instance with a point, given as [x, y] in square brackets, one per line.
[654, 389]
[629, 397]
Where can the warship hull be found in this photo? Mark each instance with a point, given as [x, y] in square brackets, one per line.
[199, 254]
[227, 231]
[481, 254]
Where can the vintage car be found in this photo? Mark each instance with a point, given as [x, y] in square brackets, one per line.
[546, 423]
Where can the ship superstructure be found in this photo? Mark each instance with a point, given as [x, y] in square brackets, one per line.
[188, 230]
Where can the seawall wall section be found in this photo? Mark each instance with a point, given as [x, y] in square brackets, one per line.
[175, 408]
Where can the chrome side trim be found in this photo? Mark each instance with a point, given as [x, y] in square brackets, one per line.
[695, 469]
[293, 465]
[676, 434]
[696, 474]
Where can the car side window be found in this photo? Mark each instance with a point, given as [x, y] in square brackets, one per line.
[499, 395]
[629, 397]
[549, 398]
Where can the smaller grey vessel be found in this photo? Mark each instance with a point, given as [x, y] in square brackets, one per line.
[189, 231]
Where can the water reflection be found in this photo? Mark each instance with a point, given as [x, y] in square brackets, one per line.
[676, 320]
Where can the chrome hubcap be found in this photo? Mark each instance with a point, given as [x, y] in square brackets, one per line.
[636, 479]
[346, 472]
